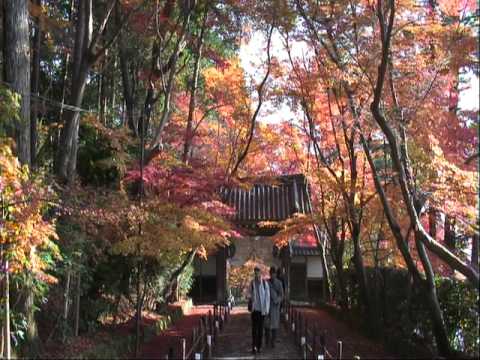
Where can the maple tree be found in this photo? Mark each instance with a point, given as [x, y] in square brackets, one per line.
[27, 240]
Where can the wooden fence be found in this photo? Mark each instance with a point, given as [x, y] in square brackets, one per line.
[203, 337]
[310, 337]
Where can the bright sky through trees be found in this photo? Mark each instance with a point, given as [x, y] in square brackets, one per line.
[252, 55]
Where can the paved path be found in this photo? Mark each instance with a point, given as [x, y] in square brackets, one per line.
[235, 341]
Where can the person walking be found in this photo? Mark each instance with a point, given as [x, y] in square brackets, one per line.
[282, 276]
[259, 305]
[272, 322]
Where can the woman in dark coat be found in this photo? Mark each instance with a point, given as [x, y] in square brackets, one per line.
[276, 296]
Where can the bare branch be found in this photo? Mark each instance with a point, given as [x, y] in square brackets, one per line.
[259, 105]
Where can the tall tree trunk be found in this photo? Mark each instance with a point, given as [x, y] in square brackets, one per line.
[474, 256]
[193, 89]
[169, 288]
[100, 94]
[85, 55]
[112, 93]
[2, 344]
[35, 89]
[65, 66]
[409, 196]
[432, 223]
[67, 149]
[66, 303]
[337, 246]
[127, 83]
[8, 347]
[77, 303]
[138, 313]
[449, 232]
[360, 269]
[33, 344]
[17, 68]
[431, 300]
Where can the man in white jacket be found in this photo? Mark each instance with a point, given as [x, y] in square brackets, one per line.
[260, 303]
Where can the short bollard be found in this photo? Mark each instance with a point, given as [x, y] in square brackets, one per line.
[198, 356]
[356, 357]
[303, 343]
[293, 327]
[215, 332]
[184, 349]
[320, 357]
[209, 344]
[339, 350]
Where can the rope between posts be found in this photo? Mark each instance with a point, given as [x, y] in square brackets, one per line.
[57, 104]
[50, 101]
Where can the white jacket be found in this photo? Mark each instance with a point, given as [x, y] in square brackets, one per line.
[264, 296]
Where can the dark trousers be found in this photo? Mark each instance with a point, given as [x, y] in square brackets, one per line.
[270, 337]
[257, 329]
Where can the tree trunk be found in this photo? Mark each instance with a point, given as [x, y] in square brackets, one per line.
[85, 54]
[360, 268]
[100, 93]
[2, 344]
[193, 90]
[138, 313]
[449, 232]
[431, 300]
[67, 149]
[66, 301]
[33, 344]
[409, 196]
[35, 89]
[128, 93]
[337, 252]
[474, 258]
[327, 285]
[8, 346]
[17, 69]
[66, 63]
[77, 303]
[112, 94]
[169, 288]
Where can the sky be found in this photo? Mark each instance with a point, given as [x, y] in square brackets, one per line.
[252, 55]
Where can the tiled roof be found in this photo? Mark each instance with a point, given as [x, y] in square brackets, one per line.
[304, 251]
[266, 202]
[307, 239]
[306, 244]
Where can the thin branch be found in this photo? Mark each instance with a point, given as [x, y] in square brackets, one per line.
[259, 105]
